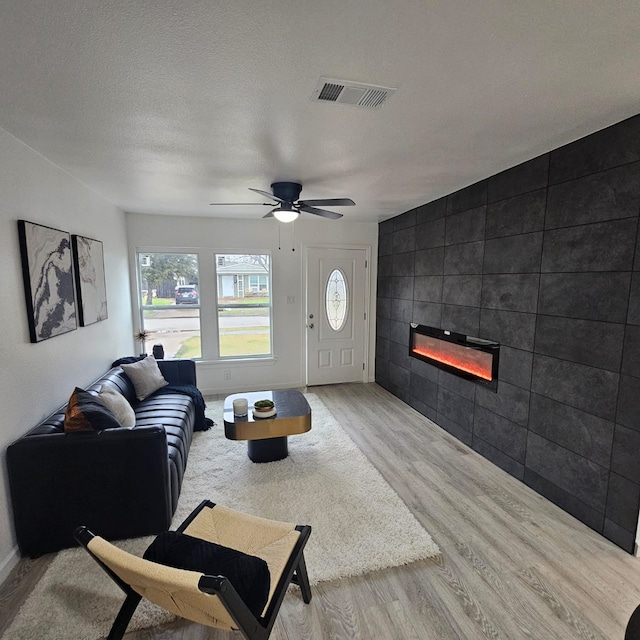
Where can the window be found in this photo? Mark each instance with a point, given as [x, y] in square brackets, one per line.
[336, 300]
[170, 303]
[244, 305]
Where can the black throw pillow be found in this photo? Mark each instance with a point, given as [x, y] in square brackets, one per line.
[85, 412]
[249, 575]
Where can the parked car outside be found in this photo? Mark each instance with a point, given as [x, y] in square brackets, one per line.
[187, 294]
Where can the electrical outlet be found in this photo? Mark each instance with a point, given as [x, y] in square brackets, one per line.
[227, 374]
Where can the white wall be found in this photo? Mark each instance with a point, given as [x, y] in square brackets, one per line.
[156, 233]
[38, 378]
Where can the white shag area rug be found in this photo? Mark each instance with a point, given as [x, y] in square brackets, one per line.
[359, 524]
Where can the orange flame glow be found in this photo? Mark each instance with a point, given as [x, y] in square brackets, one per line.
[473, 361]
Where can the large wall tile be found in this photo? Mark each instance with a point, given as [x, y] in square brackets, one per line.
[402, 287]
[624, 457]
[385, 287]
[428, 288]
[429, 262]
[402, 310]
[424, 390]
[399, 377]
[628, 412]
[425, 370]
[509, 402]
[462, 290]
[501, 433]
[456, 408]
[587, 388]
[523, 178]
[461, 319]
[455, 429]
[427, 313]
[467, 226]
[430, 234]
[598, 344]
[604, 196]
[511, 328]
[500, 459]
[631, 351]
[386, 227]
[470, 197]
[460, 386]
[593, 518]
[383, 327]
[464, 258]
[578, 476]
[513, 254]
[405, 220]
[604, 246]
[403, 264]
[580, 432]
[383, 307]
[633, 316]
[623, 502]
[385, 265]
[514, 216]
[515, 366]
[518, 292]
[591, 296]
[385, 245]
[404, 240]
[620, 536]
[399, 333]
[431, 211]
[383, 345]
[610, 147]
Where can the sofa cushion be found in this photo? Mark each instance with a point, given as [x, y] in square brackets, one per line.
[118, 405]
[85, 412]
[145, 376]
[248, 574]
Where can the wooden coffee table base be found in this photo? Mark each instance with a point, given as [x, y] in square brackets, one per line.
[267, 437]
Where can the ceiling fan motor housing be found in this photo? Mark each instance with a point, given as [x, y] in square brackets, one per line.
[287, 191]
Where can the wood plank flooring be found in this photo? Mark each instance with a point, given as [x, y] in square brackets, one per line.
[513, 565]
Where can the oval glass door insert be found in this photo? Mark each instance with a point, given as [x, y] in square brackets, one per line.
[337, 300]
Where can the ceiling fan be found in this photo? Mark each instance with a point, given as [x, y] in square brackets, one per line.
[287, 205]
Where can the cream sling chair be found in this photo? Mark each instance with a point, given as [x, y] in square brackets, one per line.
[209, 599]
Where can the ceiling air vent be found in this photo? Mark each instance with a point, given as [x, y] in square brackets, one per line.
[369, 96]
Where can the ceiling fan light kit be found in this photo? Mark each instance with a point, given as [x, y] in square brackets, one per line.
[285, 214]
[287, 194]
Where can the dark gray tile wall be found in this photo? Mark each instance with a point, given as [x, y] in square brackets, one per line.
[545, 259]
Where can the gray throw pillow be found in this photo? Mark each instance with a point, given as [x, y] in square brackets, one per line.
[145, 376]
[118, 405]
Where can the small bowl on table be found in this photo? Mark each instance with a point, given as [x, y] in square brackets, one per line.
[264, 409]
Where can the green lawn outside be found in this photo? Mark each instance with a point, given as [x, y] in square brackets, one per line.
[231, 344]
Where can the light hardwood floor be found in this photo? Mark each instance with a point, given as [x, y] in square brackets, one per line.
[513, 566]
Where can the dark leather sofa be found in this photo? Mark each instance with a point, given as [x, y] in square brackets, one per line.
[122, 482]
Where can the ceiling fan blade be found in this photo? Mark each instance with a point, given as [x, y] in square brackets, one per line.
[268, 195]
[244, 204]
[329, 202]
[269, 215]
[319, 212]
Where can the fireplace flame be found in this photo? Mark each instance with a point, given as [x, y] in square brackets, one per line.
[468, 360]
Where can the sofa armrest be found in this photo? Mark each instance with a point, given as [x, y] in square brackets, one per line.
[114, 481]
[179, 371]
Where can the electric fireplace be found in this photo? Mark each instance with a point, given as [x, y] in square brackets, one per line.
[465, 356]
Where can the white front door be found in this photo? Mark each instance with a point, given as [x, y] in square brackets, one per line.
[336, 321]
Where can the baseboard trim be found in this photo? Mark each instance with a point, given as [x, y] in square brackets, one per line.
[8, 564]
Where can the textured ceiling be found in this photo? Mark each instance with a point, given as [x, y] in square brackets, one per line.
[165, 106]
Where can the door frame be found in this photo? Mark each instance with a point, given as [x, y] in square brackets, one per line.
[367, 301]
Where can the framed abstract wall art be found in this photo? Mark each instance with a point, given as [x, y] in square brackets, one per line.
[88, 260]
[48, 280]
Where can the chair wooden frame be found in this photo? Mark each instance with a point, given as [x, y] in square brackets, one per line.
[252, 627]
